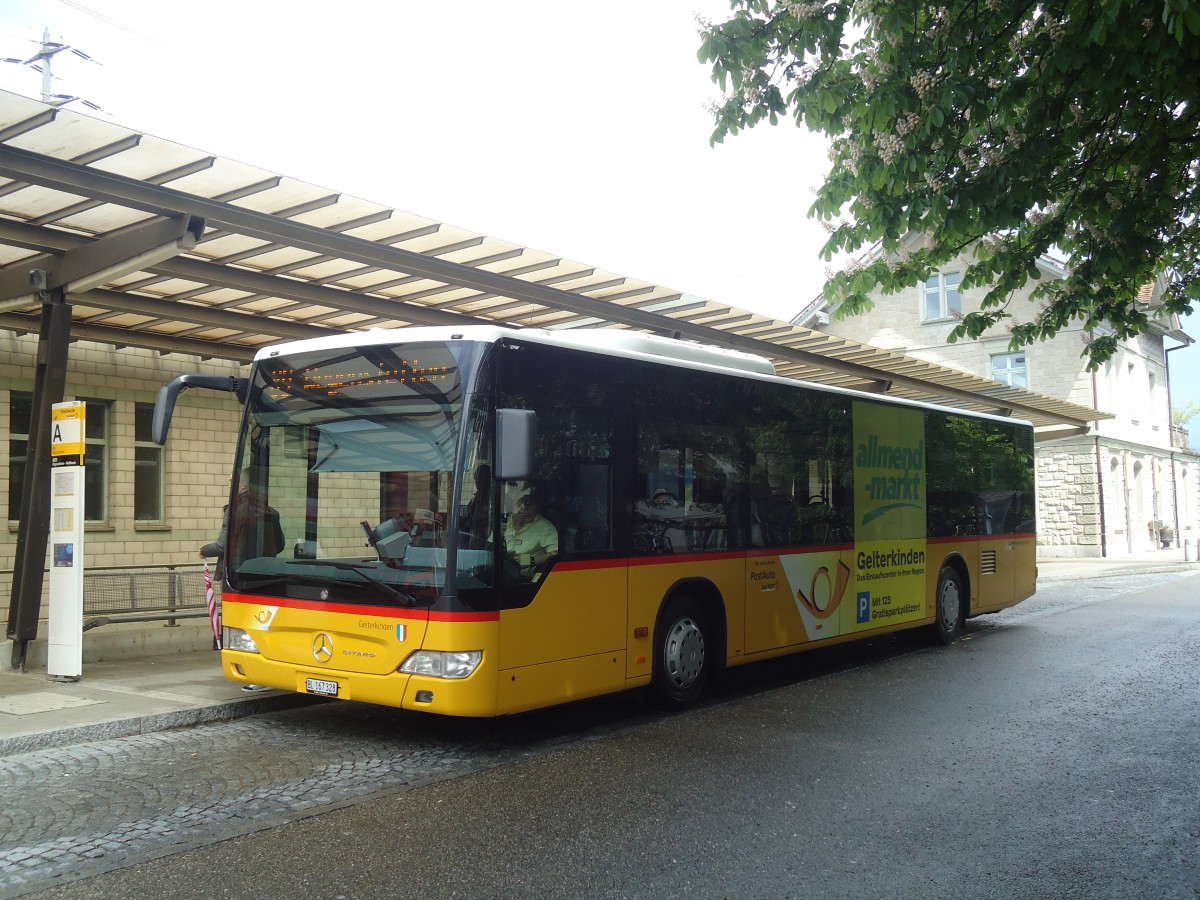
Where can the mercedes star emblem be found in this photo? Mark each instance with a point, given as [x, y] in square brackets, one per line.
[322, 647]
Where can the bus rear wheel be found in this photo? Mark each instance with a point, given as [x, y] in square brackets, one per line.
[682, 657]
[951, 606]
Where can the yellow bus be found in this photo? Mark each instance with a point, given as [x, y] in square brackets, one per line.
[484, 520]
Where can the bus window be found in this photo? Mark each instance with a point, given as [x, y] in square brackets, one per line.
[979, 477]
[586, 480]
[682, 498]
[572, 479]
[588, 490]
[690, 450]
[800, 478]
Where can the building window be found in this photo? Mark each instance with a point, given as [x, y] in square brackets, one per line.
[95, 462]
[1009, 368]
[20, 414]
[147, 468]
[1184, 490]
[1129, 401]
[1150, 402]
[942, 299]
[95, 470]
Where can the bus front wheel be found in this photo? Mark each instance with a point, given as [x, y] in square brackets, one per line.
[951, 606]
[682, 657]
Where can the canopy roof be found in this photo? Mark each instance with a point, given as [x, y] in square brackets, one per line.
[167, 247]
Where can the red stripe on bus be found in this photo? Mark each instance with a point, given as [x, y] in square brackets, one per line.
[435, 616]
[981, 538]
[674, 559]
[581, 565]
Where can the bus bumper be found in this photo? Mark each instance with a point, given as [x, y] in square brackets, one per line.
[474, 696]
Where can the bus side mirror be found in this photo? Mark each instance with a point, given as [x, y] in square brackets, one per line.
[164, 403]
[515, 429]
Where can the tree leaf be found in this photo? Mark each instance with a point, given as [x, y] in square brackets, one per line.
[1072, 127]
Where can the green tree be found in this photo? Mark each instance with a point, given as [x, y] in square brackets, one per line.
[1181, 415]
[1014, 128]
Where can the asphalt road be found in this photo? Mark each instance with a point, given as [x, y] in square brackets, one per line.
[1050, 753]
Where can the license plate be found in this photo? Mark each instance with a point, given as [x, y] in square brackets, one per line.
[320, 686]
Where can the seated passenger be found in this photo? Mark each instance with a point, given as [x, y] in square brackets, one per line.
[662, 505]
[664, 499]
[530, 538]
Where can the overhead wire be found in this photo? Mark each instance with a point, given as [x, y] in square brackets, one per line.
[107, 19]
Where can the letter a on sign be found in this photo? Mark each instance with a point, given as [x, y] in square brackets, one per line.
[67, 433]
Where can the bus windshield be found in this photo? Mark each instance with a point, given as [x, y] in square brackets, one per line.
[344, 481]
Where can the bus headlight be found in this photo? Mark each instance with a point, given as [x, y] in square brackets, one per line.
[236, 639]
[442, 664]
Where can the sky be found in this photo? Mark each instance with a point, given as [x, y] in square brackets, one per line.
[577, 129]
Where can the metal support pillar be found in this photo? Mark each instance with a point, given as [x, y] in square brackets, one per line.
[50, 381]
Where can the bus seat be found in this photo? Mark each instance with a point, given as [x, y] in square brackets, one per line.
[588, 538]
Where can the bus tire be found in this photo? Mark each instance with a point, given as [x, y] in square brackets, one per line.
[951, 606]
[683, 655]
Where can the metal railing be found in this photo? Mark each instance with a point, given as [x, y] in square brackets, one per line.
[144, 594]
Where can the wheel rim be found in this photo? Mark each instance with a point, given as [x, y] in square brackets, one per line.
[683, 653]
[949, 604]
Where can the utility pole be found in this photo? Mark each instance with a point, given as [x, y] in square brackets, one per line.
[45, 54]
[42, 62]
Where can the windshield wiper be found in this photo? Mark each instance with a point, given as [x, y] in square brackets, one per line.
[390, 589]
[261, 581]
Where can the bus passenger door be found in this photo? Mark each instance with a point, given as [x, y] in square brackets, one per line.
[563, 613]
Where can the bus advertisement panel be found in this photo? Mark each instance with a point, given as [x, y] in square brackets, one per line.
[889, 515]
[880, 579]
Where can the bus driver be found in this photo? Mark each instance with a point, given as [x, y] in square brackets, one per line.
[530, 538]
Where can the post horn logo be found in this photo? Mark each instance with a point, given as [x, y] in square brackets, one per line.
[322, 647]
[825, 592]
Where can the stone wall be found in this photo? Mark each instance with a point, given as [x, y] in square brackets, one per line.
[197, 458]
[1089, 506]
[1068, 502]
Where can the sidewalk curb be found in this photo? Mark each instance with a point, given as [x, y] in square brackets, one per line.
[1165, 568]
[135, 725]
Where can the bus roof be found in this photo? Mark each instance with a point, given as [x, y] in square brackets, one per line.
[619, 342]
[609, 341]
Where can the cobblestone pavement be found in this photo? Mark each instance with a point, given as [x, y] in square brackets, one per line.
[78, 811]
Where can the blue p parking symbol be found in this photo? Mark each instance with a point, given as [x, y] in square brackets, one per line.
[864, 607]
